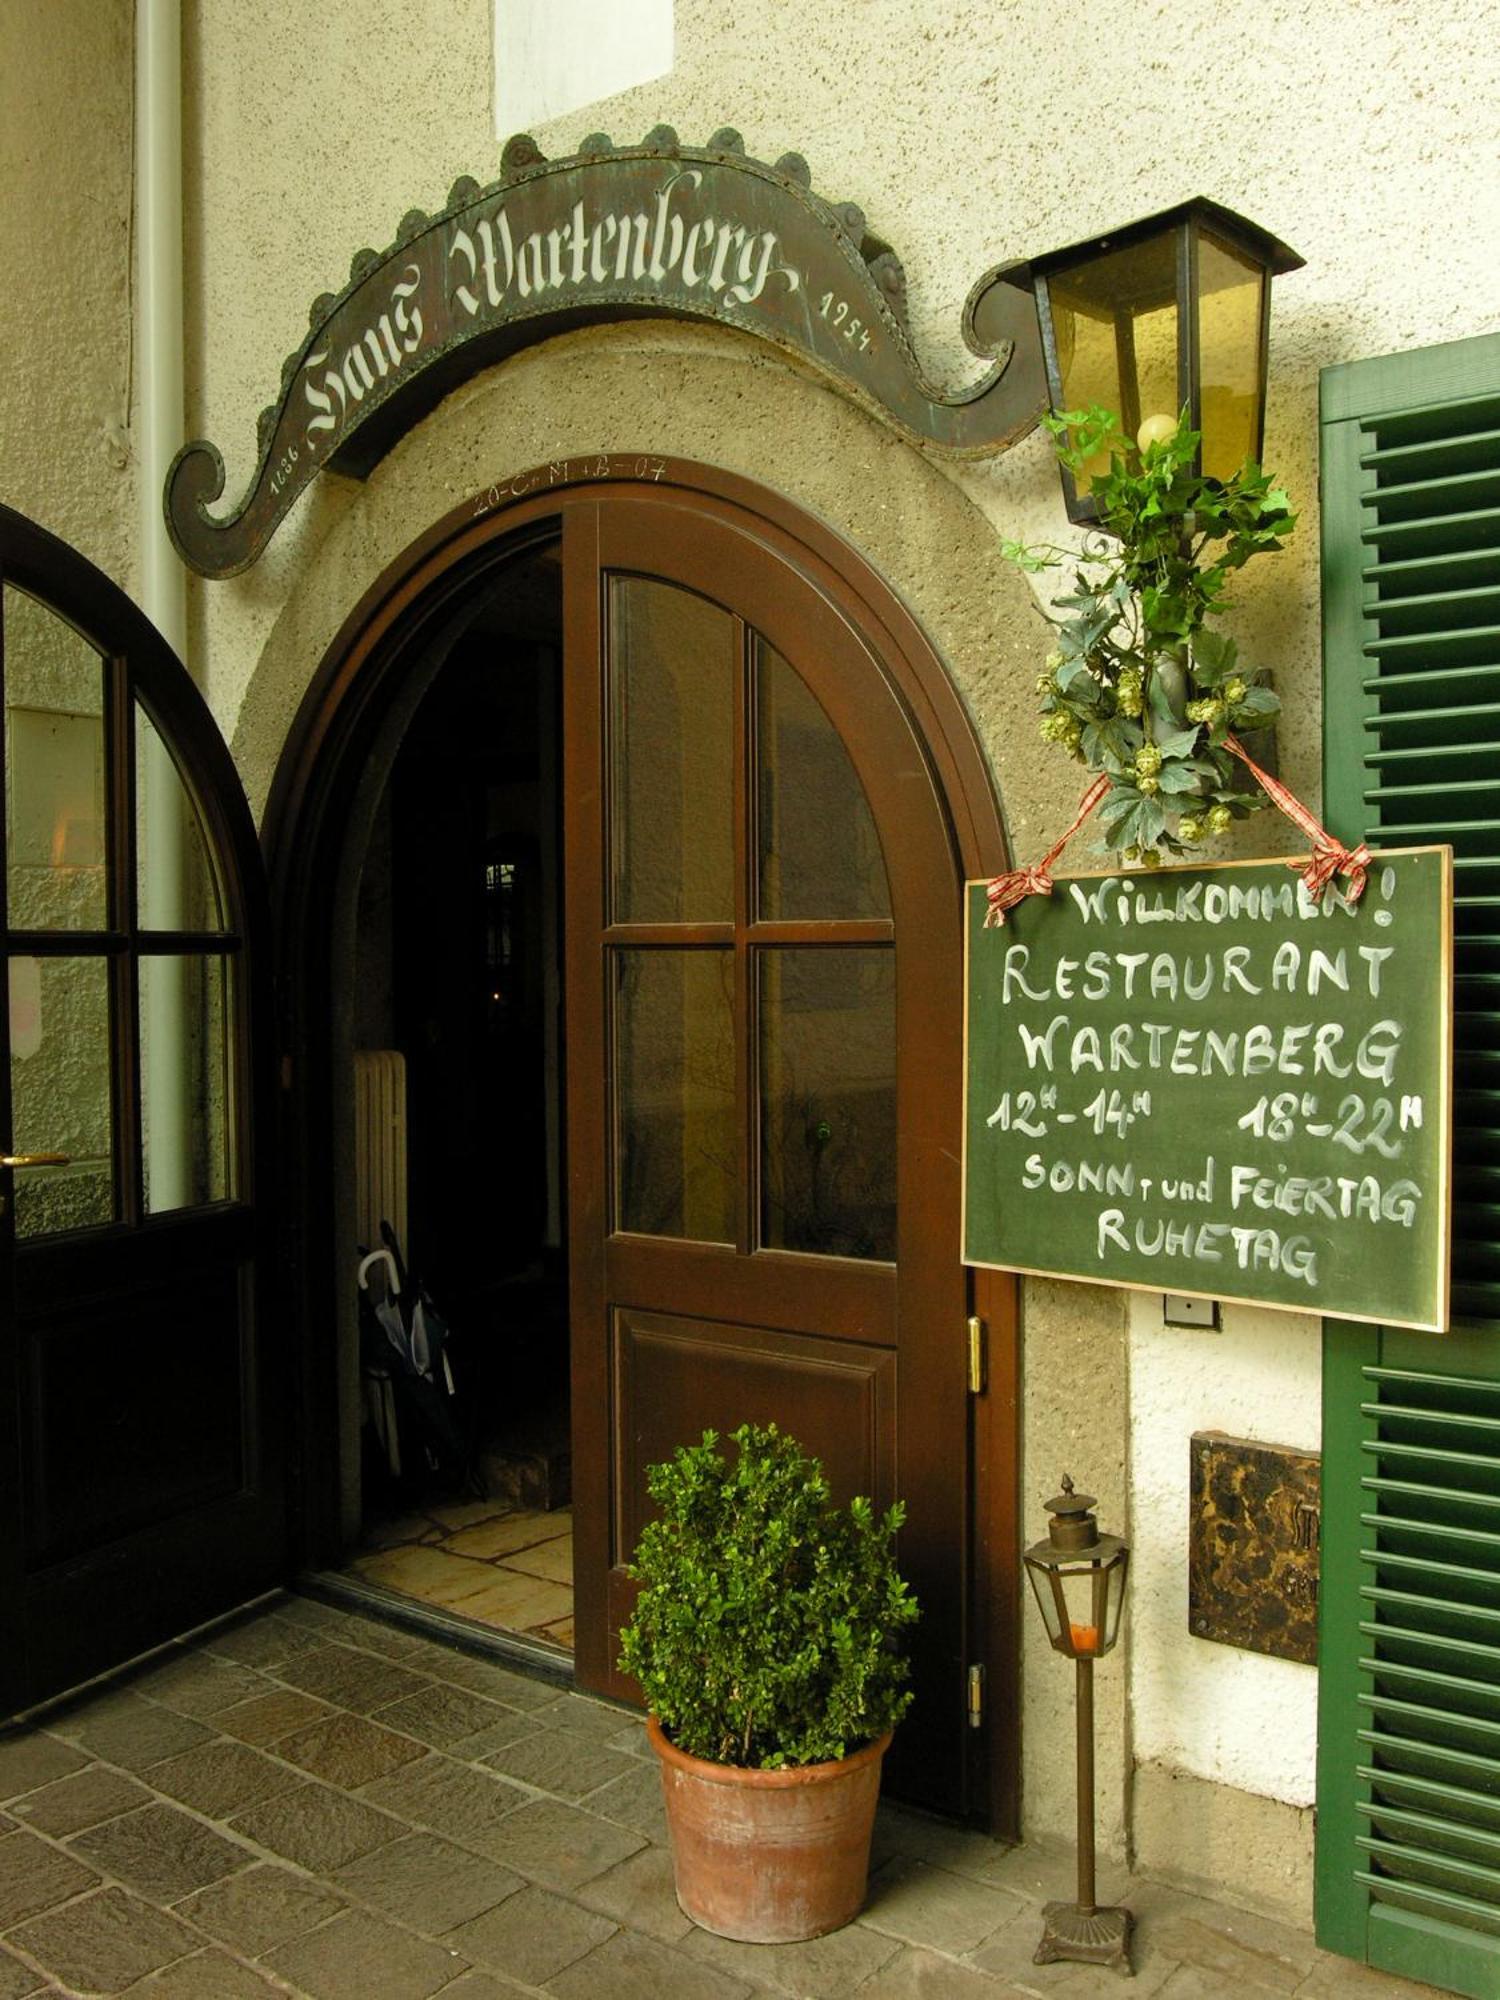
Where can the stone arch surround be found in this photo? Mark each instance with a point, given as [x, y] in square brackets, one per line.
[715, 399]
[679, 392]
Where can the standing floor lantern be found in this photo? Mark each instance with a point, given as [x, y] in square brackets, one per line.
[1168, 314]
[1078, 1576]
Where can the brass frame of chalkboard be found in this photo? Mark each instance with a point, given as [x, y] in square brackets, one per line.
[1438, 1322]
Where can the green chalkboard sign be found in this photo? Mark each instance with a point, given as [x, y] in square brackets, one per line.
[1200, 1080]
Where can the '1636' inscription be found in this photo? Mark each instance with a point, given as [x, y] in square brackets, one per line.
[1206, 1081]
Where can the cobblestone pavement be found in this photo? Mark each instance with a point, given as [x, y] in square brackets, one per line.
[316, 1804]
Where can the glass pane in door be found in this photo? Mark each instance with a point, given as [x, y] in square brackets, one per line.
[186, 1083]
[672, 674]
[828, 1101]
[675, 1126]
[60, 1092]
[54, 771]
[819, 851]
[177, 886]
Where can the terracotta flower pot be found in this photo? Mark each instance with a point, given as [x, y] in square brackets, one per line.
[770, 1857]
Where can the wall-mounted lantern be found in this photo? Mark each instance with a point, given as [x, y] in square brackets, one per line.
[1078, 1576]
[1168, 314]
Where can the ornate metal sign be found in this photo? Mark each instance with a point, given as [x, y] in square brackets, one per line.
[1253, 1546]
[655, 230]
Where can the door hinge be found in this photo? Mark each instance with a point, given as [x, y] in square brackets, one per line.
[976, 1356]
[975, 1703]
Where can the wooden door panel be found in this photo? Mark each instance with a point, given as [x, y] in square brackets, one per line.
[711, 1281]
[676, 1378]
[129, 1592]
[859, 1354]
[114, 1439]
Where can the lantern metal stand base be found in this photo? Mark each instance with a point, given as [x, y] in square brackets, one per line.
[1092, 1937]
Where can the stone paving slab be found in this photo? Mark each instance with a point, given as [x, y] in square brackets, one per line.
[560, 1845]
[29, 1761]
[266, 1718]
[359, 1956]
[921, 1904]
[131, 1732]
[429, 1881]
[568, 1763]
[217, 1779]
[317, 1827]
[833, 1967]
[313, 1805]
[463, 1804]
[640, 1893]
[17, 1981]
[34, 1875]
[531, 1936]
[348, 1751]
[161, 1852]
[207, 1975]
[631, 1967]
[264, 1906]
[105, 1942]
[82, 1800]
[200, 1685]
[442, 1715]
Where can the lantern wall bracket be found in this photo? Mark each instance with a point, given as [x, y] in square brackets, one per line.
[656, 230]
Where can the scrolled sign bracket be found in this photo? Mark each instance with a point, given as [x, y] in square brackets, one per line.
[653, 230]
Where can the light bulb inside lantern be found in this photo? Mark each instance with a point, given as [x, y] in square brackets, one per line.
[1155, 430]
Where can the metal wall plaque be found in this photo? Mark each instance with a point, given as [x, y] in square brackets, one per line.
[1253, 1546]
[654, 230]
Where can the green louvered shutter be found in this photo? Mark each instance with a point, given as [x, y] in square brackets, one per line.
[1409, 1674]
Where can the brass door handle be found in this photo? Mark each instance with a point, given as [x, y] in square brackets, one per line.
[13, 1160]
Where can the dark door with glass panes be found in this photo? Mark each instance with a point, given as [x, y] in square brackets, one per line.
[764, 1053]
[140, 1471]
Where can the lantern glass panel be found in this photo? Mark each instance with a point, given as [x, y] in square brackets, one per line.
[1046, 1598]
[1114, 1588]
[1115, 323]
[1083, 1592]
[1230, 290]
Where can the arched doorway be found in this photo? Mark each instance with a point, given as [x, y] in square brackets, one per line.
[772, 798]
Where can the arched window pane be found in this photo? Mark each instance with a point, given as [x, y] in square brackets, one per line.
[672, 660]
[187, 1093]
[819, 851]
[60, 1092]
[56, 843]
[176, 884]
[677, 1148]
[828, 1101]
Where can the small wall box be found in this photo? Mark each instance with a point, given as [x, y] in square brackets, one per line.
[1176, 1310]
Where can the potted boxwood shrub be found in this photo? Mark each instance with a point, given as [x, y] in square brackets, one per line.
[769, 1642]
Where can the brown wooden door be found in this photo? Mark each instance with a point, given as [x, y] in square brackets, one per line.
[763, 1070]
[140, 1484]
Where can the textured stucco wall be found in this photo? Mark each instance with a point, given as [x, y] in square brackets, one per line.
[1209, 1710]
[944, 126]
[65, 246]
[714, 397]
[1334, 125]
[968, 136]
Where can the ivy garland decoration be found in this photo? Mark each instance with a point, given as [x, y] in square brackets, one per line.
[1138, 687]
